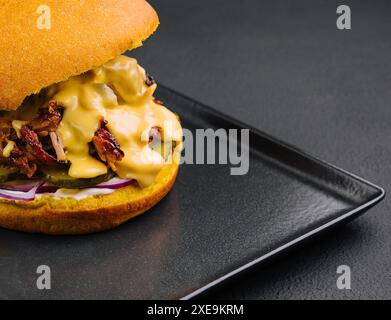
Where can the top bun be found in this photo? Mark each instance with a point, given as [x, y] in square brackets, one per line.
[83, 35]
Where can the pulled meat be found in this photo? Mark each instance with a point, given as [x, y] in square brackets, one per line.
[6, 130]
[34, 147]
[107, 146]
[157, 101]
[37, 142]
[149, 80]
[20, 159]
[58, 147]
[28, 150]
[48, 119]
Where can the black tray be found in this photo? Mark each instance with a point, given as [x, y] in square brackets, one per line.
[210, 227]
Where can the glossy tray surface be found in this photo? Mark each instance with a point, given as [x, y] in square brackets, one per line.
[211, 225]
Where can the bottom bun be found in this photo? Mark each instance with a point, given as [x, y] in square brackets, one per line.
[93, 214]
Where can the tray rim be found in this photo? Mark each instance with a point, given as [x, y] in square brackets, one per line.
[302, 238]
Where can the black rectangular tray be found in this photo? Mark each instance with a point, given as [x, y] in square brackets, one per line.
[211, 226]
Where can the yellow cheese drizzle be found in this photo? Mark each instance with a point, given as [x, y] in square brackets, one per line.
[8, 149]
[117, 93]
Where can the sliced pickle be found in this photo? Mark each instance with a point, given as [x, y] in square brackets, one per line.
[59, 177]
[8, 174]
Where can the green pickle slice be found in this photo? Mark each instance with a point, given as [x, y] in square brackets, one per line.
[7, 174]
[59, 177]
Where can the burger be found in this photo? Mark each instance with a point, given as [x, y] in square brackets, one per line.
[84, 145]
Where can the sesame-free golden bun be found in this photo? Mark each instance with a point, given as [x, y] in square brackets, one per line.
[67, 216]
[83, 35]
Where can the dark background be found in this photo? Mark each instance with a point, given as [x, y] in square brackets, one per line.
[284, 67]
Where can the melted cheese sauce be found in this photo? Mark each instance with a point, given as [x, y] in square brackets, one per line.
[8, 149]
[117, 93]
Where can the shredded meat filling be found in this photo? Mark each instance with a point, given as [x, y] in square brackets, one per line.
[28, 150]
[34, 146]
[48, 119]
[107, 146]
[58, 147]
[37, 142]
[19, 158]
[149, 80]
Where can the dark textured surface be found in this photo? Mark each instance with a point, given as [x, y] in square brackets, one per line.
[198, 233]
[282, 66]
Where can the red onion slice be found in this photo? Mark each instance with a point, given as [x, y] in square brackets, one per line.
[26, 190]
[20, 195]
[22, 185]
[47, 188]
[115, 183]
